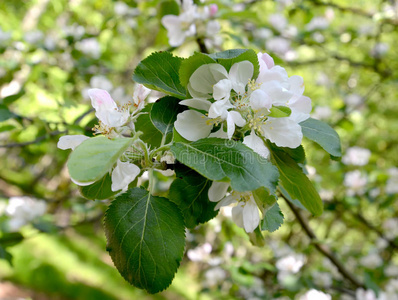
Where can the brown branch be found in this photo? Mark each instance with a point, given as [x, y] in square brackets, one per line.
[323, 249]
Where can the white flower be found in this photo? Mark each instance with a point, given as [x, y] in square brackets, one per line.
[291, 263]
[256, 143]
[353, 100]
[121, 8]
[33, 37]
[379, 49]
[392, 182]
[278, 21]
[22, 210]
[371, 261]
[70, 141]
[106, 109]
[355, 182]
[245, 214]
[101, 82]
[200, 253]
[89, 47]
[390, 227]
[315, 295]
[322, 113]
[362, 294]
[356, 156]
[139, 96]
[123, 174]
[181, 26]
[317, 23]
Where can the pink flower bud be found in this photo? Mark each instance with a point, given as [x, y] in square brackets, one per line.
[213, 10]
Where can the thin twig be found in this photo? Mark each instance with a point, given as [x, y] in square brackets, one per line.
[323, 249]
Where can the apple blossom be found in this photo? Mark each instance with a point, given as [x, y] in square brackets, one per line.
[123, 174]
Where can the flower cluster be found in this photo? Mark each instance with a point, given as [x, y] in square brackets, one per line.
[267, 108]
[23, 210]
[116, 119]
[189, 22]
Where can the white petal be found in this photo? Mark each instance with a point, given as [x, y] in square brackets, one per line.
[237, 214]
[277, 91]
[226, 201]
[237, 118]
[192, 125]
[265, 61]
[101, 100]
[140, 94]
[239, 74]
[230, 126]
[197, 103]
[259, 100]
[205, 77]
[301, 108]
[218, 190]
[123, 174]
[284, 132]
[296, 84]
[220, 109]
[251, 216]
[174, 31]
[71, 141]
[256, 143]
[221, 134]
[222, 89]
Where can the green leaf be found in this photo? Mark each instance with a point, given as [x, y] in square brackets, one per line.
[11, 239]
[219, 159]
[5, 113]
[279, 112]
[146, 238]
[297, 154]
[273, 219]
[159, 71]
[256, 237]
[295, 182]
[263, 198]
[168, 7]
[190, 192]
[230, 57]
[12, 98]
[164, 113]
[99, 190]
[93, 158]
[4, 254]
[322, 134]
[189, 65]
[151, 134]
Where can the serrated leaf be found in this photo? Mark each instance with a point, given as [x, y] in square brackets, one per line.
[93, 158]
[273, 219]
[151, 134]
[160, 71]
[295, 182]
[189, 66]
[146, 238]
[322, 134]
[99, 190]
[230, 57]
[279, 112]
[190, 192]
[164, 113]
[219, 159]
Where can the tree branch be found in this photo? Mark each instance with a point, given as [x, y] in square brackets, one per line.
[323, 249]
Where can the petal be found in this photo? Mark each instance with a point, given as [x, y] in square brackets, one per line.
[205, 77]
[301, 109]
[140, 94]
[265, 61]
[225, 202]
[222, 89]
[256, 144]
[218, 190]
[101, 100]
[123, 174]
[284, 132]
[237, 214]
[259, 100]
[197, 103]
[296, 84]
[212, 28]
[71, 141]
[221, 134]
[192, 125]
[277, 91]
[251, 216]
[240, 74]
[230, 126]
[220, 109]
[237, 118]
